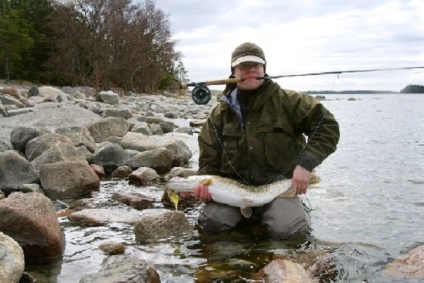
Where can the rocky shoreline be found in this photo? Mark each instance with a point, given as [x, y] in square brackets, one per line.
[59, 144]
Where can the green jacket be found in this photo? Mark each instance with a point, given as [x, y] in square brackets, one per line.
[270, 142]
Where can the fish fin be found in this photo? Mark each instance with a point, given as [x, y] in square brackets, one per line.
[289, 193]
[174, 198]
[246, 211]
[207, 181]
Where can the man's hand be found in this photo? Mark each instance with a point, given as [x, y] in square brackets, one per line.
[201, 192]
[300, 179]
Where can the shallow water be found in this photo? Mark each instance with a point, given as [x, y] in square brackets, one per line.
[367, 210]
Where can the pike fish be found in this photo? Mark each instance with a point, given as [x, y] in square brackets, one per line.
[232, 192]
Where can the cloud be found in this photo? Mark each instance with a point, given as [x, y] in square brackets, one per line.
[304, 36]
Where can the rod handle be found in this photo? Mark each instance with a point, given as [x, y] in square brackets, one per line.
[184, 85]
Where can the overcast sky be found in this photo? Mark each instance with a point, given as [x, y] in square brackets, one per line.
[304, 36]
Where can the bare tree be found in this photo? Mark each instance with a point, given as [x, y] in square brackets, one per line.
[112, 43]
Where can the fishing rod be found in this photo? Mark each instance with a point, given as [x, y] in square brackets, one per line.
[201, 94]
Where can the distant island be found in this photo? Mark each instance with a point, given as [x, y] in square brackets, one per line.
[407, 89]
[349, 92]
[413, 89]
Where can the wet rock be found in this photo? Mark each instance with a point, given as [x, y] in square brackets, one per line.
[123, 268]
[103, 216]
[12, 262]
[166, 225]
[408, 266]
[99, 170]
[30, 219]
[68, 179]
[135, 200]
[122, 172]
[282, 270]
[112, 248]
[143, 176]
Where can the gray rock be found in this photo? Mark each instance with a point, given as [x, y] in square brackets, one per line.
[170, 224]
[160, 159]
[167, 127]
[108, 97]
[156, 129]
[110, 154]
[12, 263]
[38, 145]
[61, 151]
[142, 128]
[15, 170]
[21, 135]
[80, 136]
[10, 100]
[103, 216]
[138, 142]
[33, 91]
[121, 268]
[3, 146]
[109, 127]
[115, 112]
[52, 118]
[180, 151]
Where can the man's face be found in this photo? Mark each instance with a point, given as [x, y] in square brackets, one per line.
[249, 71]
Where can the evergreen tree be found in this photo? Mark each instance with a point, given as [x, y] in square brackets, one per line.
[14, 39]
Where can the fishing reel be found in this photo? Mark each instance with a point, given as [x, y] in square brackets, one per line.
[201, 94]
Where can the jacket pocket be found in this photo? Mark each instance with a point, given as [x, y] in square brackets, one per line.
[279, 144]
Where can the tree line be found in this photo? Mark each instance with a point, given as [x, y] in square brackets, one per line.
[100, 43]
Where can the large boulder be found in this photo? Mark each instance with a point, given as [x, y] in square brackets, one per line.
[30, 219]
[68, 179]
[109, 127]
